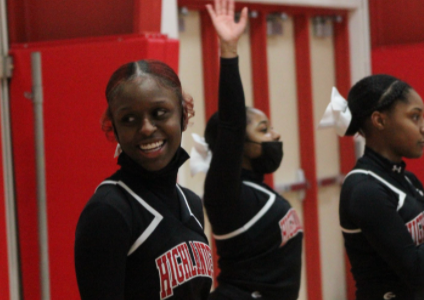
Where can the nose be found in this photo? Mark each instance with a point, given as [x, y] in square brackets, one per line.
[275, 135]
[147, 127]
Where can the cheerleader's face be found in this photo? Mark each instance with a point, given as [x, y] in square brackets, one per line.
[147, 121]
[404, 128]
[258, 130]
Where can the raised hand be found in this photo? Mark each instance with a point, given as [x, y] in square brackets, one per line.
[227, 29]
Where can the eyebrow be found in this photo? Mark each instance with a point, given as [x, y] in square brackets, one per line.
[160, 101]
[263, 121]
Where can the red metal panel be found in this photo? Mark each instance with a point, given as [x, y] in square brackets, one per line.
[259, 61]
[147, 15]
[396, 22]
[346, 144]
[210, 53]
[78, 156]
[34, 20]
[307, 156]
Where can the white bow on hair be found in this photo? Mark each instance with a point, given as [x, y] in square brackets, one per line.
[118, 150]
[200, 155]
[337, 114]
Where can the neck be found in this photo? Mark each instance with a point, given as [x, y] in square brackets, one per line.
[383, 151]
[245, 163]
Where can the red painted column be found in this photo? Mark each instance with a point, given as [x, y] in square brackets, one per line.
[147, 15]
[307, 156]
[346, 144]
[210, 52]
[259, 61]
[210, 58]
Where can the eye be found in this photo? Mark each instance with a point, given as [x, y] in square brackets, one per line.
[160, 112]
[416, 117]
[128, 119]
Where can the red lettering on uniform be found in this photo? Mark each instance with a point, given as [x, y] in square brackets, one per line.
[197, 259]
[177, 267]
[172, 265]
[201, 258]
[207, 257]
[290, 226]
[416, 229]
[179, 271]
[186, 261]
[165, 282]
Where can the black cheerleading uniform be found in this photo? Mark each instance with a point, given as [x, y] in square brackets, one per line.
[382, 219]
[141, 237]
[257, 233]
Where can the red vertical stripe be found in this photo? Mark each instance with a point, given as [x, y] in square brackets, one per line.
[210, 64]
[147, 15]
[210, 84]
[343, 83]
[346, 144]
[259, 61]
[307, 156]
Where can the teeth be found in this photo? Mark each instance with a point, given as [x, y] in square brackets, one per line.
[151, 146]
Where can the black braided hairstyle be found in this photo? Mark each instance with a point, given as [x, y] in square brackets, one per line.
[374, 93]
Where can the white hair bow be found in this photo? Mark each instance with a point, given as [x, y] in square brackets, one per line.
[337, 114]
[200, 155]
[118, 150]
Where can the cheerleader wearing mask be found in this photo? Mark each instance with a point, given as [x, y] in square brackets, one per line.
[257, 233]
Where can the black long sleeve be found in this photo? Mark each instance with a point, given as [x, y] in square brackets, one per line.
[101, 247]
[223, 181]
[386, 232]
[382, 218]
[259, 252]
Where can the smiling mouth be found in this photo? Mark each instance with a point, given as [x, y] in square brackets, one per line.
[151, 147]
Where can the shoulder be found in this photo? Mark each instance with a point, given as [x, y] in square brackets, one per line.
[361, 190]
[414, 180]
[364, 181]
[194, 202]
[108, 203]
[191, 196]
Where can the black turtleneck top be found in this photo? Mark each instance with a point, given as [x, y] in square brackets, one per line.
[382, 219]
[141, 237]
[257, 233]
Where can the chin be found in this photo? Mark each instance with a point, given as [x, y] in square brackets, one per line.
[414, 155]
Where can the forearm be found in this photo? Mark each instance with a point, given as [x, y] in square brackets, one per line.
[222, 186]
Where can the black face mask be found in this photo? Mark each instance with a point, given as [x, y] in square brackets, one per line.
[270, 159]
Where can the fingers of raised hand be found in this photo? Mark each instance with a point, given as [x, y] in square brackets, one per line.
[211, 11]
[243, 17]
[218, 7]
[231, 8]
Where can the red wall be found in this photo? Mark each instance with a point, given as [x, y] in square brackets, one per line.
[78, 156]
[407, 63]
[397, 36]
[45, 20]
[396, 22]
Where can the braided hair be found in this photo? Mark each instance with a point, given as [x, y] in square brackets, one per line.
[374, 93]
